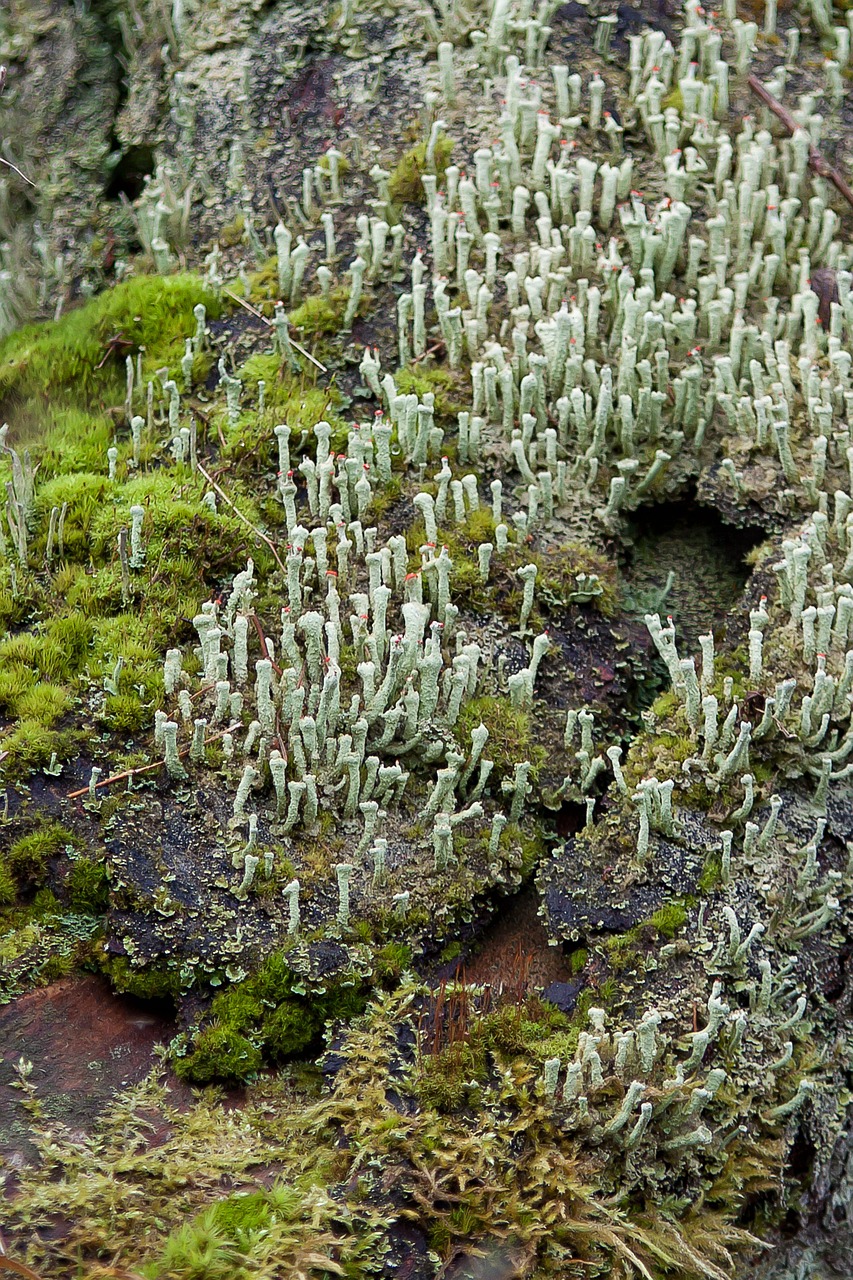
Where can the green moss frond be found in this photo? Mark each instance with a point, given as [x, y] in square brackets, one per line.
[404, 184]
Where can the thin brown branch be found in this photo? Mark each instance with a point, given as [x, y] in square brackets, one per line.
[260, 316]
[257, 532]
[143, 768]
[817, 161]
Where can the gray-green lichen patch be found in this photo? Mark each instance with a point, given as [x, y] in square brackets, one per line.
[324, 544]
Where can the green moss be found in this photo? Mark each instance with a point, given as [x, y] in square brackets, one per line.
[450, 952]
[56, 967]
[578, 959]
[532, 848]
[29, 856]
[669, 918]
[15, 608]
[240, 1007]
[125, 713]
[72, 440]
[390, 961]
[222, 1242]
[509, 729]
[153, 312]
[219, 1054]
[348, 662]
[447, 385]
[623, 951]
[289, 1028]
[57, 654]
[404, 183]
[362, 930]
[296, 400]
[43, 702]
[384, 497]
[15, 680]
[264, 1011]
[30, 746]
[150, 983]
[560, 567]
[321, 315]
[83, 493]
[8, 886]
[712, 873]
[450, 1079]
[239, 1214]
[88, 887]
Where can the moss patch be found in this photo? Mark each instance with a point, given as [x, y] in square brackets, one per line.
[404, 183]
[73, 353]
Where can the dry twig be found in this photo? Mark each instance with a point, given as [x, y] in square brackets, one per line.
[260, 316]
[817, 162]
[257, 532]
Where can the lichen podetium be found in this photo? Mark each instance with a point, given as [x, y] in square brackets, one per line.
[335, 579]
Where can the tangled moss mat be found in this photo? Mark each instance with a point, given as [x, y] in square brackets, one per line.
[335, 586]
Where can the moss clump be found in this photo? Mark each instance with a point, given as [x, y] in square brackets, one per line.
[447, 385]
[27, 859]
[712, 873]
[56, 654]
[220, 1054]
[83, 493]
[509, 738]
[153, 312]
[625, 949]
[294, 399]
[451, 1078]
[88, 887]
[321, 315]
[390, 961]
[560, 581]
[30, 746]
[523, 1028]
[151, 983]
[289, 1029]
[8, 886]
[668, 919]
[404, 184]
[461, 542]
[264, 1011]
[44, 702]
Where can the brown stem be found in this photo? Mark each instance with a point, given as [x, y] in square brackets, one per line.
[257, 532]
[817, 162]
[143, 768]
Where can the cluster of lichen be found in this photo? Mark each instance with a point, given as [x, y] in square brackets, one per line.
[575, 375]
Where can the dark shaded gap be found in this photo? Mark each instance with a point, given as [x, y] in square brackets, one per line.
[682, 560]
[128, 177]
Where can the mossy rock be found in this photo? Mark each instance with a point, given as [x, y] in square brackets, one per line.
[220, 1054]
[404, 183]
[28, 858]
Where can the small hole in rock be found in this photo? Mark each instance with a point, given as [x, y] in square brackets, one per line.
[570, 818]
[128, 177]
[681, 559]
